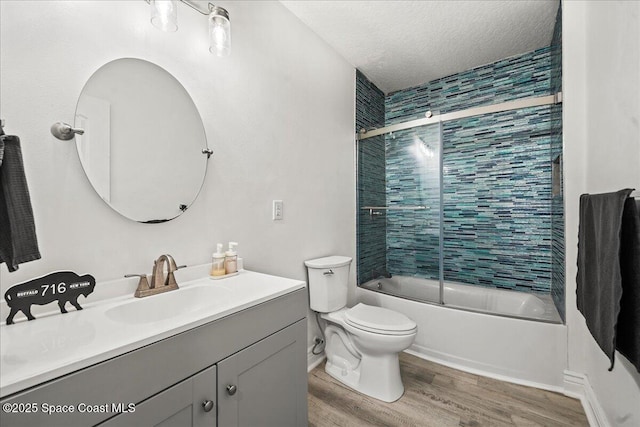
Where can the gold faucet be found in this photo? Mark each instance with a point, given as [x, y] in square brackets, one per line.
[159, 283]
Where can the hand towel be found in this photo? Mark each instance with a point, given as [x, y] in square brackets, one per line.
[628, 331]
[18, 242]
[599, 281]
[1, 145]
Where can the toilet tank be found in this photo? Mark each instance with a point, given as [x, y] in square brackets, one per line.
[328, 280]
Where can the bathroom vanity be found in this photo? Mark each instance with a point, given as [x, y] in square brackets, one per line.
[227, 353]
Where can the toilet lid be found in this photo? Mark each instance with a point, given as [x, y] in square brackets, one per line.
[378, 319]
[328, 262]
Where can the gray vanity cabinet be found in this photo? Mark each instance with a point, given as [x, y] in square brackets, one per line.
[265, 384]
[250, 365]
[188, 403]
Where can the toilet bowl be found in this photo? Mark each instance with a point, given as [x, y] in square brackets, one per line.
[376, 371]
[362, 342]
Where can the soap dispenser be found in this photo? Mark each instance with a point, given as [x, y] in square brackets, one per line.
[217, 262]
[231, 259]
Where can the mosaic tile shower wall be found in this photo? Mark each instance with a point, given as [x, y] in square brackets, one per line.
[516, 77]
[496, 177]
[557, 201]
[371, 180]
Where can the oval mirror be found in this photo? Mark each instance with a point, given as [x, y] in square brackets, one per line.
[142, 149]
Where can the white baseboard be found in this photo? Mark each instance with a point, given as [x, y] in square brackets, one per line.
[313, 360]
[478, 369]
[577, 385]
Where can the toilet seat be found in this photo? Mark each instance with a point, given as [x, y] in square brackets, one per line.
[379, 320]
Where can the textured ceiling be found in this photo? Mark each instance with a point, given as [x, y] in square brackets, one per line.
[400, 44]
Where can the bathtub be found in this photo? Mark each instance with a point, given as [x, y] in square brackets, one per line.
[506, 347]
[457, 295]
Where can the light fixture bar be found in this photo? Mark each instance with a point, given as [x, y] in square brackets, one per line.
[197, 6]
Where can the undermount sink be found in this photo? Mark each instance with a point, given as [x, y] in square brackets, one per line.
[168, 305]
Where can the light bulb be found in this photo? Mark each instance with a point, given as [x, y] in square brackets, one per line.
[219, 32]
[164, 15]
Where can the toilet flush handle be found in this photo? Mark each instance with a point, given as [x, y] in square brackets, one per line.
[328, 273]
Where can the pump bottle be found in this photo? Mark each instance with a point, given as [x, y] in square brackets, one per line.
[217, 262]
[231, 259]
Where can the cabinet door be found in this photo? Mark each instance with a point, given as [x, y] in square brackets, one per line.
[266, 384]
[188, 403]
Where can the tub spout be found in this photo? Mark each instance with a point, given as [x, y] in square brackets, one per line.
[378, 274]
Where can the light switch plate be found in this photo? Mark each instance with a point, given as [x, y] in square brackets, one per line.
[278, 213]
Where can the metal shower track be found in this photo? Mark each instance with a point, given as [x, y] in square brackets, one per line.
[475, 111]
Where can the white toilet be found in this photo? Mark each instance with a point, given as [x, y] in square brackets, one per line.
[362, 342]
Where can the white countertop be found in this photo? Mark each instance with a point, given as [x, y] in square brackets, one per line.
[57, 344]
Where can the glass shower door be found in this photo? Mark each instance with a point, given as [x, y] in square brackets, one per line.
[497, 214]
[399, 183]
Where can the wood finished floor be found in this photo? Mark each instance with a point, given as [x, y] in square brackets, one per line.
[439, 396]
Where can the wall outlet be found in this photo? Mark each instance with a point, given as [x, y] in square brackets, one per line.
[278, 213]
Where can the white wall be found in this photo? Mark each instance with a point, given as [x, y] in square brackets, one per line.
[601, 85]
[278, 114]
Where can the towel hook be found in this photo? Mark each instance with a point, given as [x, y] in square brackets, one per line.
[65, 132]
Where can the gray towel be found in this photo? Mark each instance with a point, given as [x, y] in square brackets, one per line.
[599, 282]
[628, 333]
[1, 145]
[18, 243]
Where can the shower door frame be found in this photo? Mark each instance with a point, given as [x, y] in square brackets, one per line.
[535, 101]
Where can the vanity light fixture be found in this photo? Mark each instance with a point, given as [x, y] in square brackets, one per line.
[219, 32]
[164, 16]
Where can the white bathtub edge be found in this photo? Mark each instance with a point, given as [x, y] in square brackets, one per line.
[523, 351]
[577, 385]
[466, 366]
